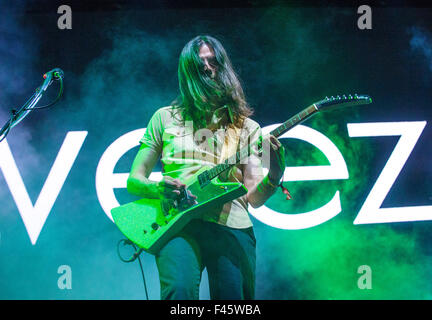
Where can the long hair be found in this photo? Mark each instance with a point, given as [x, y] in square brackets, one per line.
[200, 95]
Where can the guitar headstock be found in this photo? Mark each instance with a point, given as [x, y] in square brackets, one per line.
[343, 101]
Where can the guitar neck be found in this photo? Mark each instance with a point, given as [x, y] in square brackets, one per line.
[245, 151]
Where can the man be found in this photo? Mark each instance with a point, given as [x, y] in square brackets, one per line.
[211, 100]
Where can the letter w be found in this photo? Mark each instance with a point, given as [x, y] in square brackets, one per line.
[34, 217]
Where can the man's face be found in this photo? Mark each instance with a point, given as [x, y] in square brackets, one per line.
[208, 57]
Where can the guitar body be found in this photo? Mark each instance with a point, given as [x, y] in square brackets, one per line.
[149, 227]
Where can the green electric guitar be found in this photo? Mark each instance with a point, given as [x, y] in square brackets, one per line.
[146, 224]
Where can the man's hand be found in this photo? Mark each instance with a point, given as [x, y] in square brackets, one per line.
[274, 154]
[169, 190]
[271, 154]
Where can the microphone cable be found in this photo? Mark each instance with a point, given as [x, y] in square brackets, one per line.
[134, 256]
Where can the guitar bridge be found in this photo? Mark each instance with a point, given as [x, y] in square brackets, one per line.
[184, 202]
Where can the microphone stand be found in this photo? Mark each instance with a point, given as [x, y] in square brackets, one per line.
[18, 116]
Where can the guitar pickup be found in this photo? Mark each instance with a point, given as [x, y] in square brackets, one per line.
[203, 179]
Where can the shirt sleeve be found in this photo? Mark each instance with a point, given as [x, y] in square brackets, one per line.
[153, 135]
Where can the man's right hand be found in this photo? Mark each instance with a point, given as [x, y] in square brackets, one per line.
[169, 190]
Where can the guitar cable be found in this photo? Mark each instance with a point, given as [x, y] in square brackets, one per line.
[136, 255]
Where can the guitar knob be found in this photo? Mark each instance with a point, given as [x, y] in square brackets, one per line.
[155, 226]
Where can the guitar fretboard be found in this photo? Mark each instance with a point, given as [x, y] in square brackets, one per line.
[205, 177]
[292, 122]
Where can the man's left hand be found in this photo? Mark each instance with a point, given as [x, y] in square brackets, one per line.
[274, 153]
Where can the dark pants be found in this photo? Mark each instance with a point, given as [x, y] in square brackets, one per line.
[227, 253]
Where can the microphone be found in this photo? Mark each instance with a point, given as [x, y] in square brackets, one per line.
[55, 73]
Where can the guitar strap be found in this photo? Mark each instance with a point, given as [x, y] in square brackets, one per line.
[230, 145]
